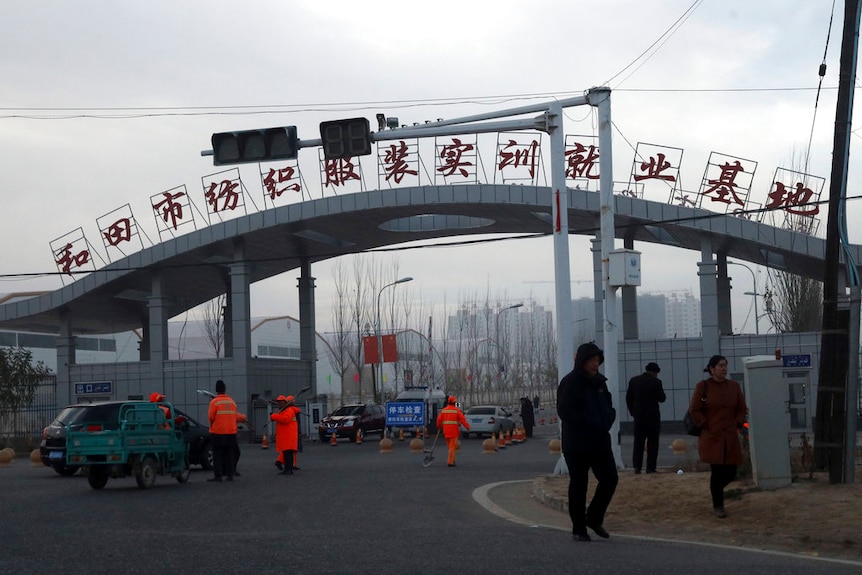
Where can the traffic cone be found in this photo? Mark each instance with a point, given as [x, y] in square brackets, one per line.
[508, 437]
[359, 436]
[264, 442]
[501, 444]
[400, 434]
[334, 440]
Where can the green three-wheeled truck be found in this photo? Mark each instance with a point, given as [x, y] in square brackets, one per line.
[146, 443]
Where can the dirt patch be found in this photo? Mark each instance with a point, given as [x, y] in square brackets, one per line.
[810, 516]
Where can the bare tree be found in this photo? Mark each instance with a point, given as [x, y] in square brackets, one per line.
[793, 303]
[213, 323]
[341, 339]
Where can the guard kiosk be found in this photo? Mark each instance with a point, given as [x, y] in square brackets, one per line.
[776, 394]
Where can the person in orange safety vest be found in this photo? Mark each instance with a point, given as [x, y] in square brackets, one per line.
[450, 419]
[286, 434]
[223, 418]
[156, 397]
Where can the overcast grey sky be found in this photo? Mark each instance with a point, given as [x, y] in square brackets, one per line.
[107, 103]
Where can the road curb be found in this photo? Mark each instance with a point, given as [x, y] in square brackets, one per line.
[553, 501]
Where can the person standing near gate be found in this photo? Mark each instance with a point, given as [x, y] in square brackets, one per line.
[223, 416]
[450, 419]
[644, 394]
[286, 434]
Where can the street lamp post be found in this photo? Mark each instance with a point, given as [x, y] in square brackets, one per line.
[497, 337]
[751, 293]
[380, 335]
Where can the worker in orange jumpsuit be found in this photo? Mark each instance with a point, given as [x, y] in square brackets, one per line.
[156, 397]
[450, 419]
[286, 433]
[223, 417]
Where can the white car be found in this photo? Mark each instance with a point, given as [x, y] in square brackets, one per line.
[488, 419]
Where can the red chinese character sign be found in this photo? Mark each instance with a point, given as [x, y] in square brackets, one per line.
[173, 210]
[456, 160]
[281, 183]
[519, 158]
[726, 184]
[657, 168]
[794, 201]
[73, 254]
[120, 233]
[398, 163]
[224, 195]
[341, 175]
[582, 161]
[372, 353]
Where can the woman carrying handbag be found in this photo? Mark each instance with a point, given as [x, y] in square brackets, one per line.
[718, 409]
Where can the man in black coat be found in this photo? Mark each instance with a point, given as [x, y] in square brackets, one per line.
[527, 416]
[586, 410]
[644, 394]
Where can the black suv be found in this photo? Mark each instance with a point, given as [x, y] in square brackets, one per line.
[52, 449]
[347, 419]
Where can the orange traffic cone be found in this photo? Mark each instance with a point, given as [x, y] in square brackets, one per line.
[508, 437]
[501, 444]
[400, 434]
[334, 440]
[359, 436]
[264, 443]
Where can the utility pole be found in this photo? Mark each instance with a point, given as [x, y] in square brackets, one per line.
[830, 424]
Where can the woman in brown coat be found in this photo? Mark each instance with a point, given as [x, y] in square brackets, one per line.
[718, 409]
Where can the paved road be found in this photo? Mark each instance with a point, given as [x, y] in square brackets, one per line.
[349, 509]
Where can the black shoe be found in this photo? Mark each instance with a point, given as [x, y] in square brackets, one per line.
[452, 465]
[651, 471]
[638, 471]
[599, 530]
[279, 465]
[581, 537]
[236, 473]
[217, 479]
[295, 468]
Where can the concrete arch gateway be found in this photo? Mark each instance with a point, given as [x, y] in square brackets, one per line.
[143, 290]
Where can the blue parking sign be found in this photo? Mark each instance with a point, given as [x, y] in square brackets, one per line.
[405, 414]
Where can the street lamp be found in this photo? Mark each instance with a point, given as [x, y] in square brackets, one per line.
[497, 335]
[751, 293]
[380, 335]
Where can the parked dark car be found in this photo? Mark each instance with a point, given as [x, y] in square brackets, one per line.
[347, 419]
[105, 414]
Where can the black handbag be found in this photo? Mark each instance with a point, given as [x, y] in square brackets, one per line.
[688, 422]
[690, 427]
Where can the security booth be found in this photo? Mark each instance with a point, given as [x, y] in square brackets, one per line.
[315, 410]
[777, 394]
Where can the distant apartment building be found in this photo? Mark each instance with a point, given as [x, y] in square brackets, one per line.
[682, 314]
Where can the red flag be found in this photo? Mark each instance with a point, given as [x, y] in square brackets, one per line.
[390, 349]
[369, 349]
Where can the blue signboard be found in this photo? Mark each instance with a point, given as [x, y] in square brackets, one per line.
[799, 360]
[94, 387]
[405, 414]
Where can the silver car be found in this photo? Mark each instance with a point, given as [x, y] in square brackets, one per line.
[488, 419]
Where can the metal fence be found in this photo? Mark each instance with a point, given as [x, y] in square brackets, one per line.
[22, 429]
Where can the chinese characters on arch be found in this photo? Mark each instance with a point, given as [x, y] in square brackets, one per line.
[791, 202]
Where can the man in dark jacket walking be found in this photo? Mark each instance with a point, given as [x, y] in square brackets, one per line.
[642, 398]
[586, 410]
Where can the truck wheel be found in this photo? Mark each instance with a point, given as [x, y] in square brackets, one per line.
[183, 476]
[97, 476]
[67, 470]
[147, 476]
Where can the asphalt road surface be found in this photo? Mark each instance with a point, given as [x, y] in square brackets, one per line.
[349, 509]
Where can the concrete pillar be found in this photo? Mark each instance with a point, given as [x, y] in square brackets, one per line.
[240, 319]
[725, 313]
[598, 290]
[65, 359]
[307, 321]
[630, 303]
[157, 305]
[708, 299]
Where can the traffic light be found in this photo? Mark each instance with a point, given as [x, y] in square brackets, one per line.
[345, 138]
[248, 146]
